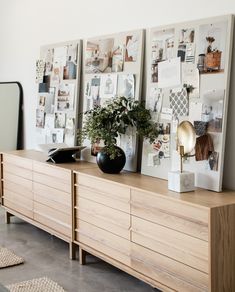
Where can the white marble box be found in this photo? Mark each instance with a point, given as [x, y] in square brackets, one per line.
[181, 181]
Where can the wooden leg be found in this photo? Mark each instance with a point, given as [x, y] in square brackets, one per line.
[7, 217]
[72, 251]
[82, 256]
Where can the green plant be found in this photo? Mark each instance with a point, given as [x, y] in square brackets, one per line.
[109, 121]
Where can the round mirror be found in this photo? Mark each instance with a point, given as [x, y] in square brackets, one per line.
[186, 136]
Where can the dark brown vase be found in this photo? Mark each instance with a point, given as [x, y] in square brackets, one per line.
[108, 165]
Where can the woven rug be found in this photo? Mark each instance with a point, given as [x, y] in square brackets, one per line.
[8, 258]
[36, 285]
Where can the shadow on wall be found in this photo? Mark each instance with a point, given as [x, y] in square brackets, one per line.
[229, 159]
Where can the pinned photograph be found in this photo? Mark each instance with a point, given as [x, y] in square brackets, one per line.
[40, 118]
[118, 59]
[40, 67]
[212, 109]
[69, 132]
[190, 79]
[154, 102]
[211, 47]
[132, 45]
[161, 145]
[108, 86]
[98, 56]
[60, 120]
[186, 48]
[213, 161]
[126, 85]
[70, 69]
[95, 92]
[65, 99]
[55, 136]
[48, 61]
[60, 55]
[56, 75]
[162, 49]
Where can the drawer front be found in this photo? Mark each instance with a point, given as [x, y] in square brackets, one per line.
[175, 215]
[18, 207]
[104, 217]
[172, 273]
[18, 189]
[103, 197]
[54, 225]
[109, 244]
[52, 182]
[53, 198]
[51, 170]
[17, 180]
[19, 171]
[14, 197]
[53, 219]
[117, 191]
[176, 245]
[18, 161]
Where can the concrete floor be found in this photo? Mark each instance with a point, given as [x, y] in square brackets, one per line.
[46, 255]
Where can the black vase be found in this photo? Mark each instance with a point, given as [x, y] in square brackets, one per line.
[108, 165]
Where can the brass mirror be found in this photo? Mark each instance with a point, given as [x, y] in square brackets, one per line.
[186, 140]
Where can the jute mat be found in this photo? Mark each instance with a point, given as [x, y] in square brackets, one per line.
[36, 285]
[8, 258]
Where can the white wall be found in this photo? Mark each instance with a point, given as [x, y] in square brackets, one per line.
[25, 25]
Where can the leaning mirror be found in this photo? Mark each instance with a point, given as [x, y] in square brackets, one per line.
[11, 116]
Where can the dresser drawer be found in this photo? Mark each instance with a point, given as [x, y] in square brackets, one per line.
[176, 245]
[104, 197]
[52, 182]
[105, 242]
[118, 191]
[17, 181]
[14, 197]
[18, 161]
[104, 217]
[53, 198]
[19, 171]
[169, 213]
[18, 206]
[61, 174]
[18, 189]
[165, 270]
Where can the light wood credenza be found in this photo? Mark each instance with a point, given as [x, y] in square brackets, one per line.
[175, 242]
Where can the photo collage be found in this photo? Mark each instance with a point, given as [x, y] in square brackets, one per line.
[56, 75]
[184, 63]
[112, 68]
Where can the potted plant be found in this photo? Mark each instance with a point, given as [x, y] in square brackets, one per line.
[106, 123]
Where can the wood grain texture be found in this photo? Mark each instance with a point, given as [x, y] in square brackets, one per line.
[222, 249]
[19, 171]
[173, 244]
[165, 270]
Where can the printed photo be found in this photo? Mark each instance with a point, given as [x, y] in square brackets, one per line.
[186, 47]
[154, 102]
[118, 59]
[55, 136]
[70, 69]
[40, 118]
[211, 47]
[213, 161]
[108, 86]
[161, 145]
[65, 99]
[98, 58]
[162, 49]
[40, 67]
[60, 120]
[56, 74]
[126, 85]
[69, 133]
[48, 61]
[132, 45]
[212, 110]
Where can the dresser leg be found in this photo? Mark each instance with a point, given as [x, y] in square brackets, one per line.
[82, 256]
[7, 217]
[72, 251]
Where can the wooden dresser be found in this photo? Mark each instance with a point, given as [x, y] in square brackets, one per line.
[175, 242]
[39, 192]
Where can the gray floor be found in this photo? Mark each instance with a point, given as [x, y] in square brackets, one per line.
[46, 255]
